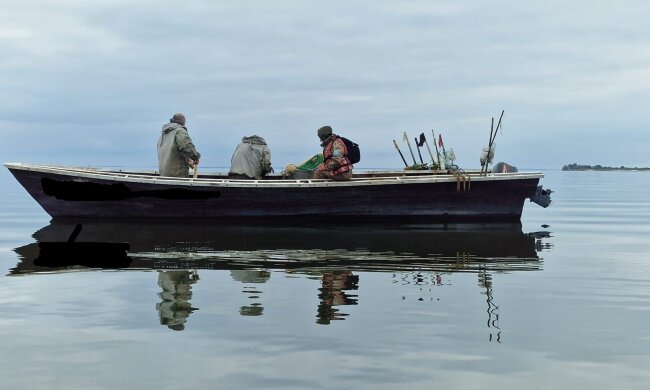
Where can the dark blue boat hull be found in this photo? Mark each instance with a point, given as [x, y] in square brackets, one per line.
[63, 197]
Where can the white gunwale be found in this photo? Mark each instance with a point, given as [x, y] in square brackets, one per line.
[400, 177]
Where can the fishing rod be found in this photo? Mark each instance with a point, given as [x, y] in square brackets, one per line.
[400, 153]
[436, 145]
[406, 138]
[442, 145]
[417, 145]
[423, 140]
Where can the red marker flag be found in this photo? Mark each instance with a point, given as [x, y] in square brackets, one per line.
[440, 140]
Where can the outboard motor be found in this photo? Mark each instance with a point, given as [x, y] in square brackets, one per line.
[542, 197]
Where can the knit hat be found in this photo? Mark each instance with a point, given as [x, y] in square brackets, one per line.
[324, 132]
[178, 118]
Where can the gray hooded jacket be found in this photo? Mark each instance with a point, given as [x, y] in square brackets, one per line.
[174, 148]
[252, 158]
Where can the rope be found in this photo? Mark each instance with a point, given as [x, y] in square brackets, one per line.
[462, 180]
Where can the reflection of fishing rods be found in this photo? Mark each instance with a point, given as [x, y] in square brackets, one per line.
[406, 138]
[400, 153]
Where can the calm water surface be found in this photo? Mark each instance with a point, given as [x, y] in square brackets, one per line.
[561, 301]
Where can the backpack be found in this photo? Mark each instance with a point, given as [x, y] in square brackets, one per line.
[354, 154]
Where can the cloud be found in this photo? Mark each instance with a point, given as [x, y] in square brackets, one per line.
[283, 68]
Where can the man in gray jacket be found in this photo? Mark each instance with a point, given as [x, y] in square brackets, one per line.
[251, 160]
[176, 152]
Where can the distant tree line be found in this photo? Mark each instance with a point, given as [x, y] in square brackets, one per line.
[579, 167]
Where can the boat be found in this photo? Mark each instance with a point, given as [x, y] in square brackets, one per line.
[429, 196]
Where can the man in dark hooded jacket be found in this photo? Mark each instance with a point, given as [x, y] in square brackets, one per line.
[176, 152]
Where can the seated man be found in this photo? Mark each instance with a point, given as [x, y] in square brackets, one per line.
[336, 165]
[251, 159]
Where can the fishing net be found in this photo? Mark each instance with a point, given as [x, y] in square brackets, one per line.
[304, 169]
[312, 163]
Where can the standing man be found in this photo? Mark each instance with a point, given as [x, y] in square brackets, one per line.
[336, 164]
[176, 152]
[251, 159]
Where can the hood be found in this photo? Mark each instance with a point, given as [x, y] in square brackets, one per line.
[171, 126]
[254, 139]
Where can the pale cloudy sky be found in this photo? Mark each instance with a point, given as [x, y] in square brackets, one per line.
[87, 82]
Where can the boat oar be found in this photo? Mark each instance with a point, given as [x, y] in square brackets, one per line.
[497, 129]
[492, 138]
[400, 153]
[423, 140]
[417, 145]
[406, 138]
[499, 124]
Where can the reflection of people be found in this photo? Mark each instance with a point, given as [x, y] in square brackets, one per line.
[251, 276]
[176, 294]
[336, 165]
[331, 294]
[252, 310]
[176, 152]
[251, 159]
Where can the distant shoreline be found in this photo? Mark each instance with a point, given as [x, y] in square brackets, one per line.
[578, 167]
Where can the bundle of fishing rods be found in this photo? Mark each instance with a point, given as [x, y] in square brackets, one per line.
[443, 159]
[488, 153]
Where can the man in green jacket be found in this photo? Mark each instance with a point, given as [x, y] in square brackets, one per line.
[176, 152]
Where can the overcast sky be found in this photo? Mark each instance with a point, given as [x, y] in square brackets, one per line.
[91, 82]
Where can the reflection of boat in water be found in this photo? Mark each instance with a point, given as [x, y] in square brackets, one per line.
[458, 247]
[414, 254]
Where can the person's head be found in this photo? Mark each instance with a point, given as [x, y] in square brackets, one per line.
[178, 118]
[324, 132]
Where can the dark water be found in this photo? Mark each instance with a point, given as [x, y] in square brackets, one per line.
[561, 301]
